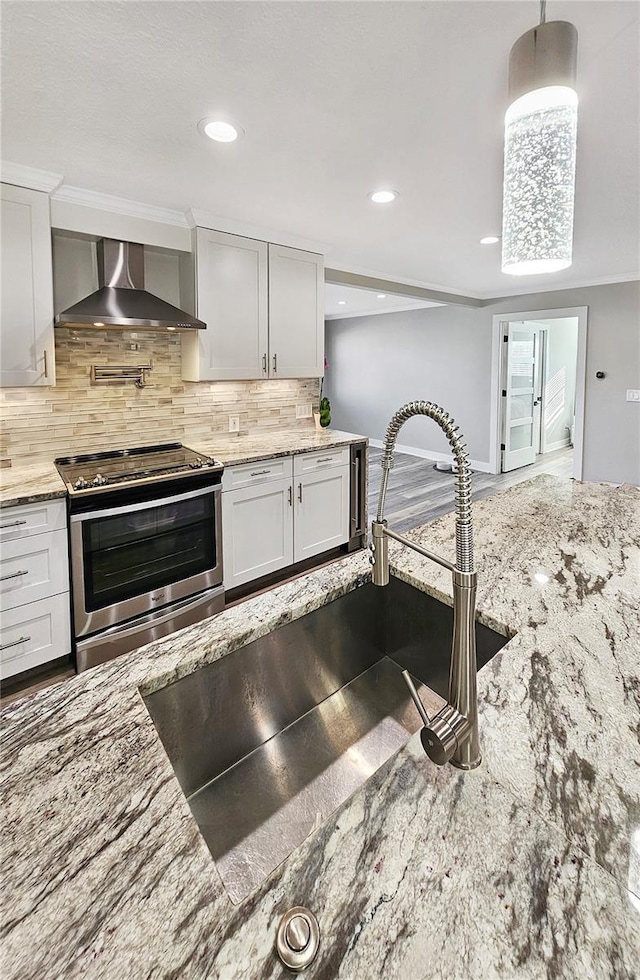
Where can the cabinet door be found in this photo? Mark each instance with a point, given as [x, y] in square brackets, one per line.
[257, 531]
[231, 297]
[296, 313]
[321, 517]
[35, 634]
[26, 334]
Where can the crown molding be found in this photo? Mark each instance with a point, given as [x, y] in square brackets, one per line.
[427, 305]
[492, 298]
[69, 194]
[197, 218]
[415, 284]
[34, 179]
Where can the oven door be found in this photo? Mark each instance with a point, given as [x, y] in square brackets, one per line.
[138, 557]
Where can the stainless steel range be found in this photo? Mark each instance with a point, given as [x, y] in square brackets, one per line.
[146, 546]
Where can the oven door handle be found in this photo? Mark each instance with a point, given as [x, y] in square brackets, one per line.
[145, 505]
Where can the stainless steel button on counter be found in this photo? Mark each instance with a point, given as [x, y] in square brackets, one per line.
[298, 938]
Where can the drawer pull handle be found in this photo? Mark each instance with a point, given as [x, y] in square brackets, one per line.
[325, 459]
[5, 578]
[15, 643]
[261, 473]
[13, 524]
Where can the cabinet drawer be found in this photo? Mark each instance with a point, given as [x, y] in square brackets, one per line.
[311, 462]
[21, 522]
[34, 568]
[252, 474]
[34, 634]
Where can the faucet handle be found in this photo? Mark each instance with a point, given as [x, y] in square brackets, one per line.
[441, 734]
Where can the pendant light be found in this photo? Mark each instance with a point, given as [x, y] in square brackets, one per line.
[540, 150]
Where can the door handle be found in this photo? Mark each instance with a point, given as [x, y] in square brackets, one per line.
[264, 363]
[275, 363]
[15, 643]
[290, 496]
[300, 492]
[5, 578]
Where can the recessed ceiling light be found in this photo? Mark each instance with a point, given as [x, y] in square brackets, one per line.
[342, 302]
[383, 197]
[219, 130]
[489, 240]
[381, 296]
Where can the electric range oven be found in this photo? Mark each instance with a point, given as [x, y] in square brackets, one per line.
[145, 535]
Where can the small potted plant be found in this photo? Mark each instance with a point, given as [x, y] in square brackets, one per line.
[323, 415]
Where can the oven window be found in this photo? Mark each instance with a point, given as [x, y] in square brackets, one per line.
[128, 555]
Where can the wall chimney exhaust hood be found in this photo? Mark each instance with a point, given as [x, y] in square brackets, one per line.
[122, 301]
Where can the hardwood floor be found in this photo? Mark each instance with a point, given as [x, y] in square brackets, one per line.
[418, 493]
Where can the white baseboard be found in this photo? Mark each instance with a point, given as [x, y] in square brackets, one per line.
[475, 464]
[560, 444]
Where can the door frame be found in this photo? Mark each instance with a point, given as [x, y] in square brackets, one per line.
[497, 379]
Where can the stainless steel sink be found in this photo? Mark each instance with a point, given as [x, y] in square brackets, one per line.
[267, 742]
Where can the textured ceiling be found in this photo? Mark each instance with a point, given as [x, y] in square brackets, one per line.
[336, 99]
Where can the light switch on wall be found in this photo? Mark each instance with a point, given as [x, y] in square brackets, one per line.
[633, 394]
[234, 423]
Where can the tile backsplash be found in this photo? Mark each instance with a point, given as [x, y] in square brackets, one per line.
[75, 416]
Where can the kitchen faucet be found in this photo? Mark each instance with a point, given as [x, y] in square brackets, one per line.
[452, 734]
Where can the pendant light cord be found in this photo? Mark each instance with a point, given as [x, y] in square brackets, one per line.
[543, 11]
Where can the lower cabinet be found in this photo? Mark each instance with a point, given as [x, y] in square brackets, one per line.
[275, 522]
[34, 586]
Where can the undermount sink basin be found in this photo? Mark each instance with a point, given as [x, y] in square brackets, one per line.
[267, 742]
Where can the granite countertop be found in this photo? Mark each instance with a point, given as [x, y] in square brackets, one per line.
[527, 867]
[26, 484]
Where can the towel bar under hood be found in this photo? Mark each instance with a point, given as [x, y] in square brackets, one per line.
[122, 301]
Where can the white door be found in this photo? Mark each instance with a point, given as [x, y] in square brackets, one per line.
[26, 334]
[521, 427]
[231, 291]
[257, 531]
[321, 519]
[296, 313]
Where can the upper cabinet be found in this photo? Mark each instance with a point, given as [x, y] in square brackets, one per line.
[263, 306]
[296, 313]
[26, 331]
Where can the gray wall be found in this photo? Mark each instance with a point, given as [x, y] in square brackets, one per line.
[444, 354]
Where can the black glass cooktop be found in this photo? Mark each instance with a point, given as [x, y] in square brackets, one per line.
[125, 466]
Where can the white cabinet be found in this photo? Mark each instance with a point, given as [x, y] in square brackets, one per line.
[296, 313]
[281, 511]
[26, 332]
[257, 526]
[34, 586]
[321, 517]
[231, 297]
[264, 309]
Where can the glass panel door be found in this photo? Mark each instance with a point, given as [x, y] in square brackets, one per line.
[523, 352]
[129, 554]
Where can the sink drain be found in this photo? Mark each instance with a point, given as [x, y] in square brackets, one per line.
[298, 938]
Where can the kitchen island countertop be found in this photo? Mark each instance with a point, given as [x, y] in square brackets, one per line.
[26, 484]
[526, 867]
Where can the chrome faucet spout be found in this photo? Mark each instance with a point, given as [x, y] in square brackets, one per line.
[452, 735]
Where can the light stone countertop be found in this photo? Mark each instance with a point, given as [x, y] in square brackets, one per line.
[27, 484]
[528, 867]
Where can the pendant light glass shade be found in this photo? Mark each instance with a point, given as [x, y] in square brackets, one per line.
[540, 152]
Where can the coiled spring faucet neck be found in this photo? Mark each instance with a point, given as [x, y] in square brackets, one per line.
[464, 527]
[452, 735]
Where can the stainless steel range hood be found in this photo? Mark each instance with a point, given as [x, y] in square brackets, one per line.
[122, 301]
